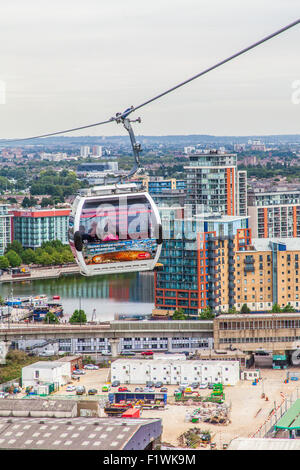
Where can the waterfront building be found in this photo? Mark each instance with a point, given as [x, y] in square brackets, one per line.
[214, 182]
[5, 227]
[224, 268]
[198, 259]
[33, 227]
[274, 213]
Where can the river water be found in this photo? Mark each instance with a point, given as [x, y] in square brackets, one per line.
[108, 295]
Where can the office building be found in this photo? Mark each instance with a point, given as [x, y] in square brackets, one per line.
[33, 227]
[5, 227]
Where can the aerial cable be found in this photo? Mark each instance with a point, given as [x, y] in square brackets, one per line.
[120, 117]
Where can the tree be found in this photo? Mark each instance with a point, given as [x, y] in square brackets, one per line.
[15, 246]
[288, 308]
[44, 259]
[206, 314]
[13, 258]
[179, 314]
[78, 316]
[50, 317]
[245, 309]
[28, 256]
[4, 263]
[232, 311]
[2, 301]
[276, 309]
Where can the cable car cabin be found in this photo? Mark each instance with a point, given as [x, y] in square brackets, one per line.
[115, 229]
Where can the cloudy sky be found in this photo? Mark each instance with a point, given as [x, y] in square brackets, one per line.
[67, 63]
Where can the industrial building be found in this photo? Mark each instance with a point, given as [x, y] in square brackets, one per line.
[108, 434]
[170, 372]
[38, 408]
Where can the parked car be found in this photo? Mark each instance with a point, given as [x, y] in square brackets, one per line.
[105, 388]
[158, 384]
[106, 353]
[71, 388]
[203, 385]
[115, 383]
[92, 391]
[148, 390]
[149, 384]
[75, 377]
[182, 388]
[127, 353]
[195, 385]
[80, 390]
[90, 367]
[138, 389]
[164, 389]
[210, 386]
[123, 389]
[147, 353]
[78, 372]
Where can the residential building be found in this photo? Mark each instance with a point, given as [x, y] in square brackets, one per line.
[213, 182]
[33, 227]
[84, 151]
[274, 213]
[5, 227]
[198, 259]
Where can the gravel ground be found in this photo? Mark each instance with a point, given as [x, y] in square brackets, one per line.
[248, 409]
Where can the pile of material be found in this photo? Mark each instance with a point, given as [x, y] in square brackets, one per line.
[211, 413]
[193, 438]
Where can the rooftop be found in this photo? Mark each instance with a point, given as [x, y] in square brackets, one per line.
[75, 433]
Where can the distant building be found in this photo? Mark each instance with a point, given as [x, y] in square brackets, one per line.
[45, 372]
[33, 227]
[5, 227]
[84, 151]
[97, 151]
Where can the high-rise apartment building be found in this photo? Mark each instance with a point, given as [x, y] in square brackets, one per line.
[33, 227]
[274, 213]
[84, 151]
[214, 183]
[5, 227]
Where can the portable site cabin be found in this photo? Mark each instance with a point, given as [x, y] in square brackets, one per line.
[45, 372]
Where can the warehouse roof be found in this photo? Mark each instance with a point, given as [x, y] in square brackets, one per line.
[264, 444]
[37, 404]
[290, 419]
[44, 365]
[76, 433]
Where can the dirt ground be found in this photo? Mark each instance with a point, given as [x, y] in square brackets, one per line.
[248, 409]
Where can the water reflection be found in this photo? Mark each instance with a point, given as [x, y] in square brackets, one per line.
[111, 294]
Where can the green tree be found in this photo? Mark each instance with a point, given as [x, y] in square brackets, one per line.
[206, 314]
[2, 301]
[276, 309]
[28, 256]
[67, 256]
[288, 308]
[4, 263]
[13, 258]
[50, 317]
[78, 316]
[245, 309]
[15, 246]
[44, 259]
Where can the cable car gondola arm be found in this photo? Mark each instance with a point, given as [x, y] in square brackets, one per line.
[136, 146]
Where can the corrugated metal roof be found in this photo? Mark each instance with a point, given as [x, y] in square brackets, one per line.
[264, 444]
[69, 434]
[290, 419]
[36, 404]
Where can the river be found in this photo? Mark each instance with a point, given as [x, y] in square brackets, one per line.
[108, 295]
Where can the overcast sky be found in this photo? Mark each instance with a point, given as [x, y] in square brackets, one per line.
[67, 63]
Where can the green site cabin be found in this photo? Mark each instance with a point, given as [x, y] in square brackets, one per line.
[291, 419]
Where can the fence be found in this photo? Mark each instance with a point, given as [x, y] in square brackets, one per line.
[267, 428]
